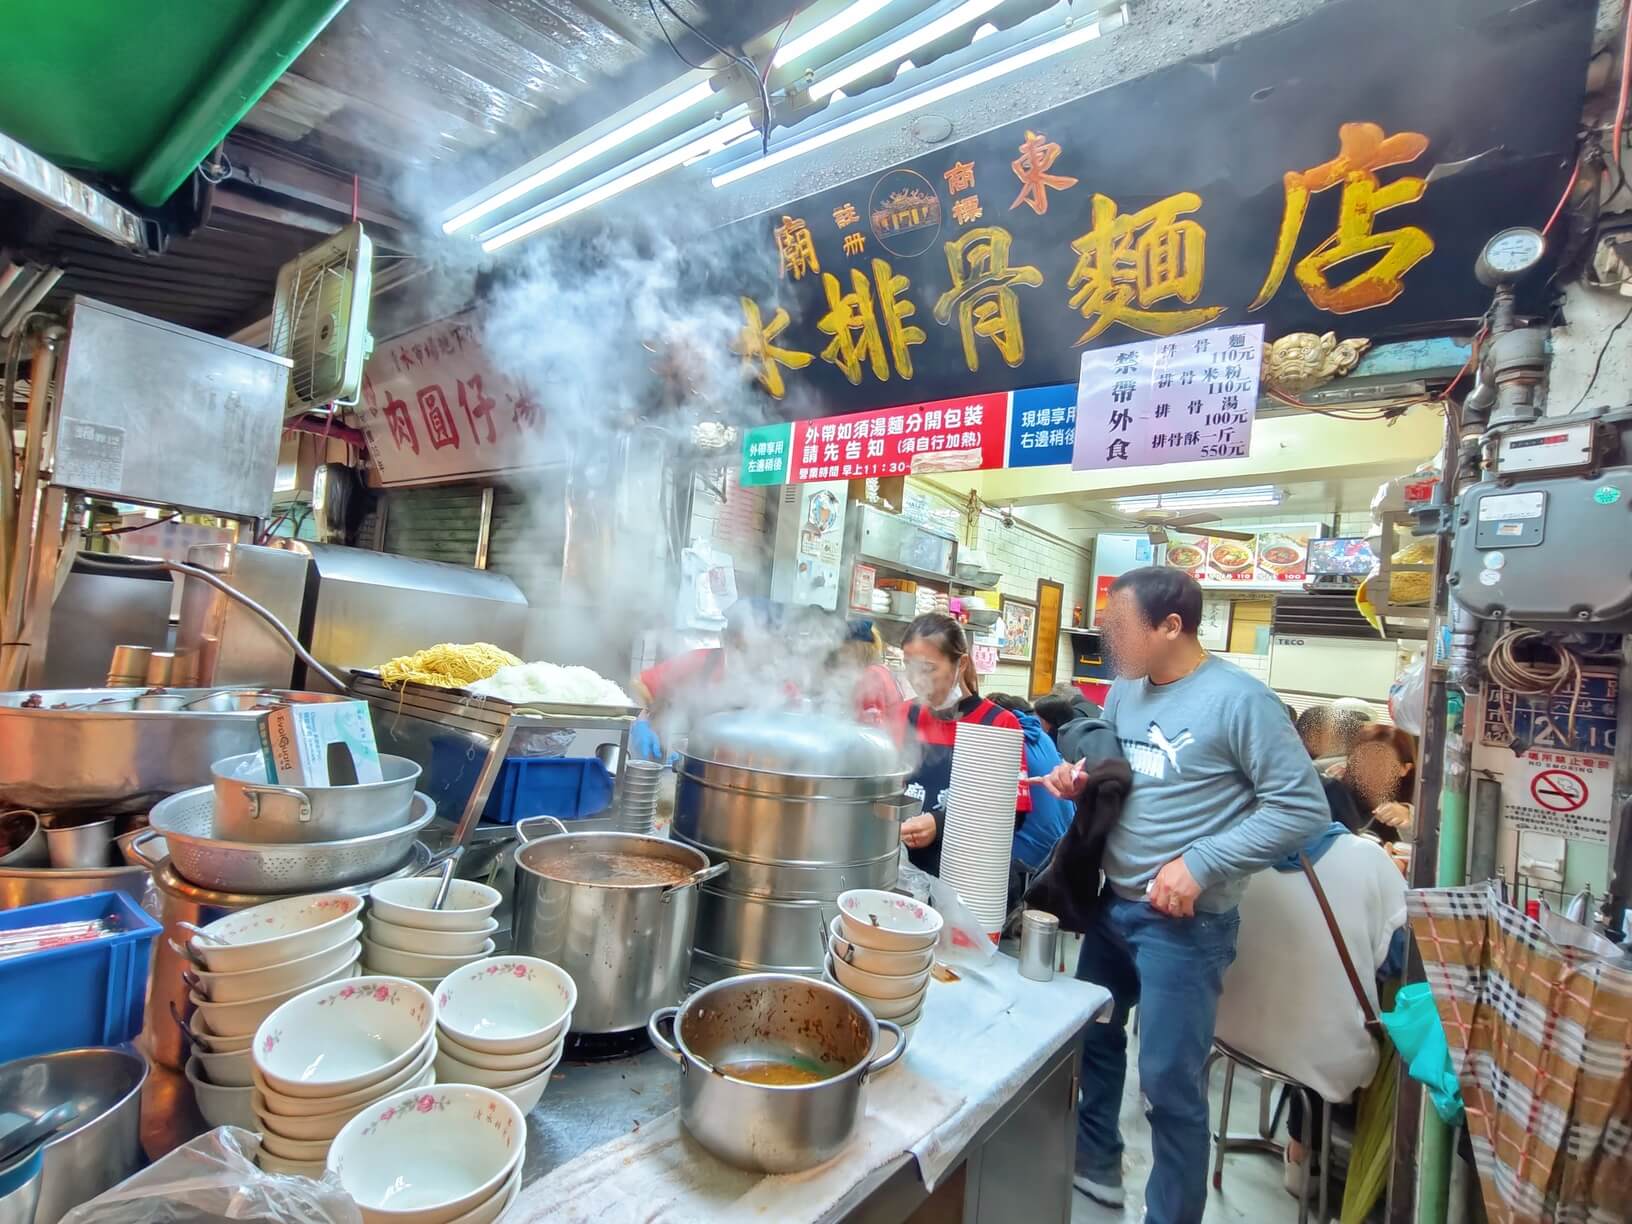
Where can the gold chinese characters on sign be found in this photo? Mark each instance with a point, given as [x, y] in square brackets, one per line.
[982, 294]
[796, 248]
[853, 320]
[1130, 263]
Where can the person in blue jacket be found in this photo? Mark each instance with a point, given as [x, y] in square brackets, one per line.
[1046, 823]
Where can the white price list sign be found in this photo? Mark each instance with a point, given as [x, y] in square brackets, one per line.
[1174, 400]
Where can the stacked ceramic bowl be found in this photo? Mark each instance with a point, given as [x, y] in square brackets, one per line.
[978, 840]
[880, 948]
[246, 965]
[449, 1154]
[502, 1024]
[406, 938]
[329, 1054]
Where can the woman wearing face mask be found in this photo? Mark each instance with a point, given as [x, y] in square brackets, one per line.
[942, 678]
[1373, 795]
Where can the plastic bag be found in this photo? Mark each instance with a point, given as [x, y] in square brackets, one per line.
[1414, 1027]
[962, 934]
[1405, 697]
[215, 1178]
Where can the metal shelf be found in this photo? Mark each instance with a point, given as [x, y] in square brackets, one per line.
[909, 571]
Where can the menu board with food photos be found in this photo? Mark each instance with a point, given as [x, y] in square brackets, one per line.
[1275, 558]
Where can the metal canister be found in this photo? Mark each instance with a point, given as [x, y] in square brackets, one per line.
[1039, 944]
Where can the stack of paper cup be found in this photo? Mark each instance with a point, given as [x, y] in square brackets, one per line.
[979, 833]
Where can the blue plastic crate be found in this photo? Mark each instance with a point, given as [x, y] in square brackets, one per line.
[564, 787]
[85, 994]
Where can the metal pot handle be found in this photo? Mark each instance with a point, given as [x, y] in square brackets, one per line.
[890, 1059]
[654, 1029]
[710, 872]
[898, 808]
[521, 829]
[257, 794]
[141, 839]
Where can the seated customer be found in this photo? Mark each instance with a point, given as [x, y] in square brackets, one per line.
[1316, 731]
[1372, 792]
[1287, 1001]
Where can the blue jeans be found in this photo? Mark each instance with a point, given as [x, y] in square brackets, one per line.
[1174, 969]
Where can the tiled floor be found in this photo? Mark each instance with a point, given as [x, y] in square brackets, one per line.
[1252, 1194]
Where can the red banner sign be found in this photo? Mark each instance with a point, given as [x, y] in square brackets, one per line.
[965, 434]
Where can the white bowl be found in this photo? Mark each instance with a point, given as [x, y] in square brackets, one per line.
[315, 1150]
[230, 1070]
[431, 943]
[506, 1004]
[877, 985]
[213, 1042]
[309, 1107]
[240, 1019]
[290, 975]
[275, 932]
[872, 959]
[408, 903]
[455, 1048]
[383, 960]
[898, 1010]
[337, 1039]
[325, 1125]
[290, 1168]
[220, 1106]
[494, 1207]
[428, 1155]
[450, 1070]
[887, 921]
[528, 1093]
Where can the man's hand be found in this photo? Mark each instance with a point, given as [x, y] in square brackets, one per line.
[1394, 815]
[1174, 890]
[919, 831]
[1066, 781]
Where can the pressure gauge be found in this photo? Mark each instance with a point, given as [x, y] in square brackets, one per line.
[1509, 255]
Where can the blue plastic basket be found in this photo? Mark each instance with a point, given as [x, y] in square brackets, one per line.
[564, 787]
[85, 994]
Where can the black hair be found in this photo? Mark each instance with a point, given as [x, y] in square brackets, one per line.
[1015, 705]
[1055, 711]
[1162, 591]
[1314, 720]
[941, 630]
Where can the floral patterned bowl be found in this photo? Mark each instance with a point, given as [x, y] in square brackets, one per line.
[453, 1048]
[338, 1038]
[280, 1106]
[887, 921]
[427, 1155]
[326, 1125]
[276, 932]
[506, 1004]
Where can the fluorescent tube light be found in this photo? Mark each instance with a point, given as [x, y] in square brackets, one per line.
[1205, 499]
[825, 31]
[632, 177]
[905, 45]
[554, 169]
[1075, 37]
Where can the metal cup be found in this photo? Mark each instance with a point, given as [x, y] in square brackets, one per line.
[128, 668]
[161, 668]
[1039, 945]
[79, 845]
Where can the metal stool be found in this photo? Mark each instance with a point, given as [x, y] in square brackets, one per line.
[1314, 1106]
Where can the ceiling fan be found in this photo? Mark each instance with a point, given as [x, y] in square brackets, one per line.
[1158, 525]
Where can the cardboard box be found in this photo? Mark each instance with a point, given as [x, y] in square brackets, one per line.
[328, 743]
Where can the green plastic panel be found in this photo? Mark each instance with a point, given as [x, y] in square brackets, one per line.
[142, 91]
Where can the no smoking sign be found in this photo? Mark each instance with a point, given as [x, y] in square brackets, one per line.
[1567, 796]
[1559, 790]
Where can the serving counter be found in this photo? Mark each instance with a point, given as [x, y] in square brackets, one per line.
[979, 1115]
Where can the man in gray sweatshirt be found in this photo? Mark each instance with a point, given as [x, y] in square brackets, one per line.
[1222, 787]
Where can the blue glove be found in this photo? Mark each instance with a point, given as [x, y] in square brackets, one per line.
[643, 741]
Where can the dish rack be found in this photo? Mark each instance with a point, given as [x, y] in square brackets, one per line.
[468, 737]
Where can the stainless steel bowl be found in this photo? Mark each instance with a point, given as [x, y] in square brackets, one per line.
[104, 1146]
[248, 808]
[21, 830]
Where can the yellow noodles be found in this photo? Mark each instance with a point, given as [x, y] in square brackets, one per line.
[446, 665]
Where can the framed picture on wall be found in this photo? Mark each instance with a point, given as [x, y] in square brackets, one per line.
[1214, 632]
[1020, 621]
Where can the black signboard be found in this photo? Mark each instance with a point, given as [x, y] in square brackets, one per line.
[1341, 172]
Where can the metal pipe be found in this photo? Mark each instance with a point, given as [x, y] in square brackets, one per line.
[484, 530]
[255, 58]
[1483, 828]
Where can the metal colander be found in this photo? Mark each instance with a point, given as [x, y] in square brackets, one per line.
[187, 821]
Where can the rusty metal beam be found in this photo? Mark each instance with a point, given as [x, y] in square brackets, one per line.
[278, 174]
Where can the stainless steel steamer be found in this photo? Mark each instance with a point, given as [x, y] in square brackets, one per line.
[803, 807]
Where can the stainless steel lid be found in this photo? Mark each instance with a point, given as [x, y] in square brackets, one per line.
[805, 743]
[1039, 920]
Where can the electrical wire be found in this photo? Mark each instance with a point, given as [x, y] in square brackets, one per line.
[1530, 679]
[741, 60]
[171, 517]
[1564, 199]
[1599, 360]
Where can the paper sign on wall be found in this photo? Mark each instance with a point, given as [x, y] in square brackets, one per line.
[1173, 400]
[1562, 793]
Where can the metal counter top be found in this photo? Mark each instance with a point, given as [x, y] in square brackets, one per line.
[589, 1103]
